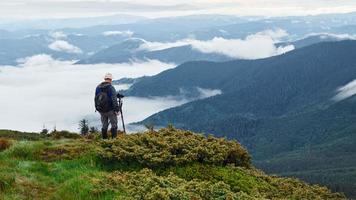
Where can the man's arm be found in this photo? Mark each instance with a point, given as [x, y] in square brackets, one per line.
[114, 99]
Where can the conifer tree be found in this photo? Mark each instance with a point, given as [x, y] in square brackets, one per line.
[84, 127]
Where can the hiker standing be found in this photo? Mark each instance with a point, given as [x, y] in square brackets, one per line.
[106, 104]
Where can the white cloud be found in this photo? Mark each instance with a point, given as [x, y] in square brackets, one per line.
[64, 46]
[206, 93]
[259, 45]
[275, 34]
[58, 35]
[156, 46]
[346, 91]
[284, 49]
[119, 33]
[253, 47]
[42, 90]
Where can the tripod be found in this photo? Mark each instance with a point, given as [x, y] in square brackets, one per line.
[122, 115]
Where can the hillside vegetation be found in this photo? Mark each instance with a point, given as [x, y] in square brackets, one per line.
[167, 164]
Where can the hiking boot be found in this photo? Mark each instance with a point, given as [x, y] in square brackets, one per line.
[113, 133]
[104, 133]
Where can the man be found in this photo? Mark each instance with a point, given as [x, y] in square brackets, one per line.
[107, 105]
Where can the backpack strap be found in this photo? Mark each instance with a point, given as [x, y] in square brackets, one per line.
[97, 91]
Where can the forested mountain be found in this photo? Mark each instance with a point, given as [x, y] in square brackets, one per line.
[316, 38]
[280, 108]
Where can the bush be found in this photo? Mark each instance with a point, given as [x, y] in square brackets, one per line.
[64, 134]
[170, 147]
[4, 144]
[145, 184]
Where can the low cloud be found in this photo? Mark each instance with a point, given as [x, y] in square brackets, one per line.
[346, 91]
[44, 91]
[156, 46]
[64, 46]
[119, 33]
[195, 93]
[256, 46]
[275, 34]
[58, 35]
[253, 47]
[206, 93]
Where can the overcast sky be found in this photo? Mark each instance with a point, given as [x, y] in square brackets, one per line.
[158, 8]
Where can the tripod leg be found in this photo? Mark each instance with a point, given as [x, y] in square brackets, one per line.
[123, 123]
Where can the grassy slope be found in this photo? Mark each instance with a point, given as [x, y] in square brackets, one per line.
[169, 164]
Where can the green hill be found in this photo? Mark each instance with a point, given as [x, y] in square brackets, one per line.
[167, 164]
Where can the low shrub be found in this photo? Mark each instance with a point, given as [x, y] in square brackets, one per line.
[64, 135]
[145, 184]
[4, 144]
[93, 136]
[170, 147]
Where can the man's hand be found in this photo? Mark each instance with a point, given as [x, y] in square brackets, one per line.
[120, 96]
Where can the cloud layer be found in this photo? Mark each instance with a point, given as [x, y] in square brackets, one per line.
[119, 33]
[155, 8]
[42, 90]
[259, 45]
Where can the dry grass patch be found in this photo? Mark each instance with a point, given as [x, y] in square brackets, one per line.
[4, 144]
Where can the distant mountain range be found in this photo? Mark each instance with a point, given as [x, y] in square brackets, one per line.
[281, 108]
[101, 38]
[129, 50]
[125, 50]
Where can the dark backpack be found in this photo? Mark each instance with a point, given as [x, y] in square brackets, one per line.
[103, 99]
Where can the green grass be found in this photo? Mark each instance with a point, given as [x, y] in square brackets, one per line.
[54, 169]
